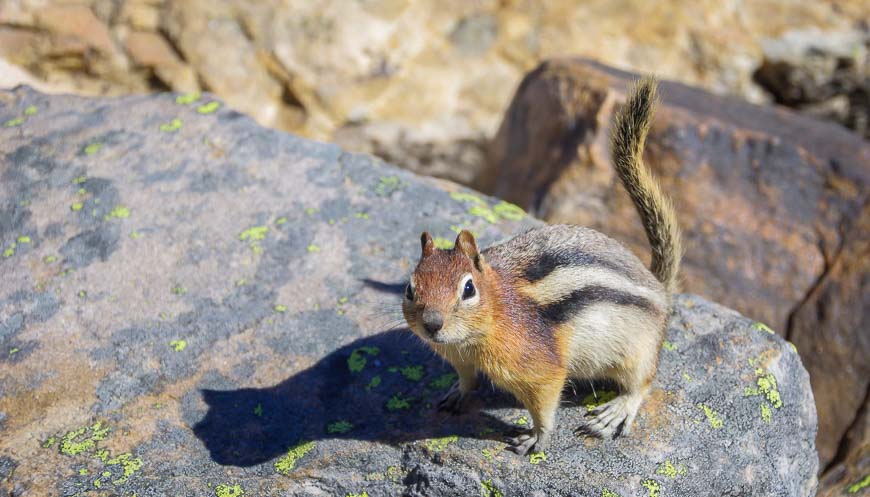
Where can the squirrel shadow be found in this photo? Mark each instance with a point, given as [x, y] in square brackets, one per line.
[383, 388]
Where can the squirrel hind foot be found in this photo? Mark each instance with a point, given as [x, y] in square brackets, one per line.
[612, 419]
[524, 444]
[454, 402]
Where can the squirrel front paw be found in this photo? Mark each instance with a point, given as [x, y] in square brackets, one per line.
[525, 443]
[454, 402]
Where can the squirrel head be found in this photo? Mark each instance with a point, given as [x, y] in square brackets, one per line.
[447, 295]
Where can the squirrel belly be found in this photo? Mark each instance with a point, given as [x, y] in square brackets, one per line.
[557, 302]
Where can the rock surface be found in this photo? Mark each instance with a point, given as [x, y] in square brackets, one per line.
[424, 84]
[193, 305]
[774, 207]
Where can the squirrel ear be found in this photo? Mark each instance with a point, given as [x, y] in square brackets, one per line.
[426, 243]
[466, 244]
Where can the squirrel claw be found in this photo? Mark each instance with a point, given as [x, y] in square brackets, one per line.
[454, 401]
[523, 444]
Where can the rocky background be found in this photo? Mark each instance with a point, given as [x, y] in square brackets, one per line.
[775, 205]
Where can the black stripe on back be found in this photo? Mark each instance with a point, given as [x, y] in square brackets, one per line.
[547, 262]
[575, 302]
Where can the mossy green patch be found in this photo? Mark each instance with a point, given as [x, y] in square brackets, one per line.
[652, 487]
[489, 489]
[24, 239]
[766, 414]
[82, 294]
[443, 243]
[671, 470]
[766, 385]
[280, 308]
[92, 148]
[119, 212]
[286, 463]
[375, 381]
[668, 346]
[225, 490]
[48, 443]
[254, 233]
[444, 381]
[509, 211]
[13, 351]
[712, 416]
[178, 345]
[341, 426]
[208, 108]
[537, 457]
[484, 212]
[605, 492]
[187, 98]
[10, 250]
[859, 485]
[467, 197]
[604, 396]
[171, 126]
[357, 360]
[80, 180]
[762, 327]
[397, 402]
[30, 110]
[83, 471]
[83, 439]
[362, 494]
[413, 373]
[387, 185]
[439, 444]
[14, 122]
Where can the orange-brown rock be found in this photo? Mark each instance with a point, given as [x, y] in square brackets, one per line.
[769, 200]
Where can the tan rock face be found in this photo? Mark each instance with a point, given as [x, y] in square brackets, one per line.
[423, 84]
[771, 204]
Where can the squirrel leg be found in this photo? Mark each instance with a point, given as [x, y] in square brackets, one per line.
[455, 401]
[542, 404]
[615, 417]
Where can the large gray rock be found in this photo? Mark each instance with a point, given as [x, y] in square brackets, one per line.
[193, 305]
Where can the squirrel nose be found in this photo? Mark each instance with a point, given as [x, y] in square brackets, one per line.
[432, 321]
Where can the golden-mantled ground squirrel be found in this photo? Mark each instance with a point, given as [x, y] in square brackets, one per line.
[557, 302]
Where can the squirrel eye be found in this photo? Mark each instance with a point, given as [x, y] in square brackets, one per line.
[409, 292]
[468, 291]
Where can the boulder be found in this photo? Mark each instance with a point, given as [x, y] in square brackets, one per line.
[194, 305]
[773, 205]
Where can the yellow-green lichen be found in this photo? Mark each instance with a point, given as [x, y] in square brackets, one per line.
[258, 410]
[225, 490]
[509, 211]
[444, 381]
[178, 345]
[484, 212]
[173, 125]
[98, 483]
[48, 443]
[13, 351]
[313, 248]
[413, 373]
[765, 385]
[10, 250]
[712, 416]
[254, 233]
[439, 444]
[24, 239]
[92, 148]
[286, 463]
[375, 381]
[537, 457]
[397, 402]
[362, 494]
[341, 426]
[467, 197]
[522, 421]
[766, 414]
[443, 243]
[652, 487]
[129, 466]
[208, 108]
[604, 396]
[187, 98]
[14, 122]
[605, 492]
[280, 308]
[762, 327]
[79, 180]
[83, 471]
[387, 185]
[84, 439]
[859, 485]
[361, 215]
[280, 221]
[670, 470]
[687, 377]
[119, 211]
[489, 489]
[179, 290]
[357, 360]
[488, 454]
[135, 235]
[30, 110]
[668, 346]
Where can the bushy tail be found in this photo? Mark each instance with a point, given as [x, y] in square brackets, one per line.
[627, 139]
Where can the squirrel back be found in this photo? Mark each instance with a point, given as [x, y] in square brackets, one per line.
[627, 138]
